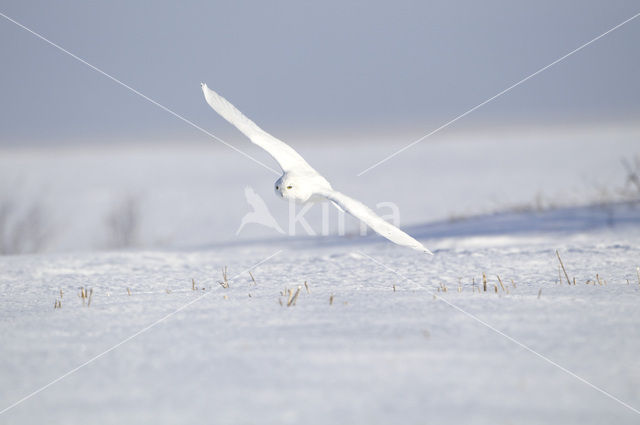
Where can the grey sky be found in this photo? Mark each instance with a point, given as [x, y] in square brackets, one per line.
[311, 66]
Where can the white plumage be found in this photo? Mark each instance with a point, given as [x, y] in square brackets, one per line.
[299, 181]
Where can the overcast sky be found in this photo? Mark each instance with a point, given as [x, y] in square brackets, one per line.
[326, 67]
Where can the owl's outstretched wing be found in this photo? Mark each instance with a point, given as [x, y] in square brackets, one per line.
[373, 220]
[285, 155]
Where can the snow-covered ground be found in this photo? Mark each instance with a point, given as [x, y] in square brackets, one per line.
[377, 339]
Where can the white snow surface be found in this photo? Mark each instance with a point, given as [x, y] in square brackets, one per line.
[391, 347]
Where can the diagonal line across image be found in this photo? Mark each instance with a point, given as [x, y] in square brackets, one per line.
[510, 338]
[544, 68]
[145, 97]
[169, 315]
[129, 338]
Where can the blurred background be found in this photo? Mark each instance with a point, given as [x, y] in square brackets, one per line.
[87, 164]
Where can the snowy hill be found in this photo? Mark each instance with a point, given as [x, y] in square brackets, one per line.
[486, 331]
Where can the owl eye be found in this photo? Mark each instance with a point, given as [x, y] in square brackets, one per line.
[277, 187]
[289, 187]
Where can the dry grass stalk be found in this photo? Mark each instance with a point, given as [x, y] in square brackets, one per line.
[253, 279]
[129, 291]
[57, 304]
[495, 287]
[290, 293]
[193, 284]
[85, 295]
[638, 273]
[443, 287]
[563, 269]
[513, 283]
[559, 275]
[307, 287]
[539, 293]
[501, 285]
[225, 280]
[61, 293]
[484, 282]
[598, 279]
[280, 301]
[292, 300]
[331, 300]
[394, 288]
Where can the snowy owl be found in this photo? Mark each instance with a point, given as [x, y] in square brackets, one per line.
[299, 181]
